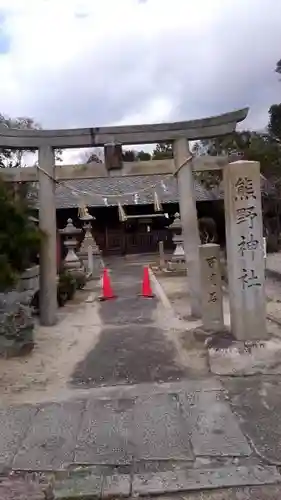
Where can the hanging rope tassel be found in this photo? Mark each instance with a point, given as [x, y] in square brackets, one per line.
[122, 213]
[157, 204]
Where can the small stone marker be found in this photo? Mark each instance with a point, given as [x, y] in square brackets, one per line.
[161, 254]
[245, 250]
[211, 287]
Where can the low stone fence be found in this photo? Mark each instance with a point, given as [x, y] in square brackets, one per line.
[16, 321]
[30, 280]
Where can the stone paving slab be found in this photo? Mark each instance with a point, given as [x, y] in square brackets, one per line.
[87, 487]
[268, 492]
[213, 429]
[169, 426]
[116, 485]
[159, 429]
[50, 442]
[21, 489]
[149, 389]
[90, 486]
[14, 424]
[192, 479]
[102, 431]
[256, 401]
[105, 433]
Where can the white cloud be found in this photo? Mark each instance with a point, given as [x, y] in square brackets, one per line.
[92, 62]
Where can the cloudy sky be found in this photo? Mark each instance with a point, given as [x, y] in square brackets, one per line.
[79, 63]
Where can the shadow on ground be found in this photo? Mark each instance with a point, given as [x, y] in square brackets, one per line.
[129, 355]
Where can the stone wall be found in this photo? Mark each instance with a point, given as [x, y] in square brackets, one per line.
[30, 280]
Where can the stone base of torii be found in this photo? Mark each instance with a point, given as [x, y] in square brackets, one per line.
[244, 247]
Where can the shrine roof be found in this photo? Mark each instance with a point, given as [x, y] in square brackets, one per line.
[124, 189]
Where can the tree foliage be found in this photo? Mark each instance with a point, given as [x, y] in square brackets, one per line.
[278, 67]
[94, 158]
[11, 157]
[19, 238]
[274, 125]
[264, 147]
[15, 157]
[163, 151]
[133, 155]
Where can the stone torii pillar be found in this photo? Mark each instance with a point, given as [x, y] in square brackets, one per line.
[189, 222]
[48, 226]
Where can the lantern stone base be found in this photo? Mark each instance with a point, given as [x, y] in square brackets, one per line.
[96, 265]
[177, 263]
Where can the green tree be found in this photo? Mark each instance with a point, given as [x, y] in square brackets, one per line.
[134, 155]
[163, 151]
[274, 125]
[129, 155]
[262, 147]
[143, 156]
[11, 157]
[93, 155]
[278, 67]
[19, 237]
[94, 158]
[15, 157]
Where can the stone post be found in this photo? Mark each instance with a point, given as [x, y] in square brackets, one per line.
[161, 254]
[47, 223]
[211, 287]
[245, 257]
[188, 215]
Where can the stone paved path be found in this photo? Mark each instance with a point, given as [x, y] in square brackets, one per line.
[257, 403]
[141, 423]
[132, 347]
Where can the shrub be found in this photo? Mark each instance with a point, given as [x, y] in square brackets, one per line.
[81, 280]
[19, 237]
[66, 287]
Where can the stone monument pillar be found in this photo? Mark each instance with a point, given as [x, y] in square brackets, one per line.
[245, 257]
[188, 214]
[211, 287]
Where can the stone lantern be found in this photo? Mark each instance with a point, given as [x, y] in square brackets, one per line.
[89, 251]
[71, 262]
[178, 261]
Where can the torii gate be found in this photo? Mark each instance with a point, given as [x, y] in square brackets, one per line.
[182, 164]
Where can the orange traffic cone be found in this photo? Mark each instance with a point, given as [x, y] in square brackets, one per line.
[107, 292]
[146, 288]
